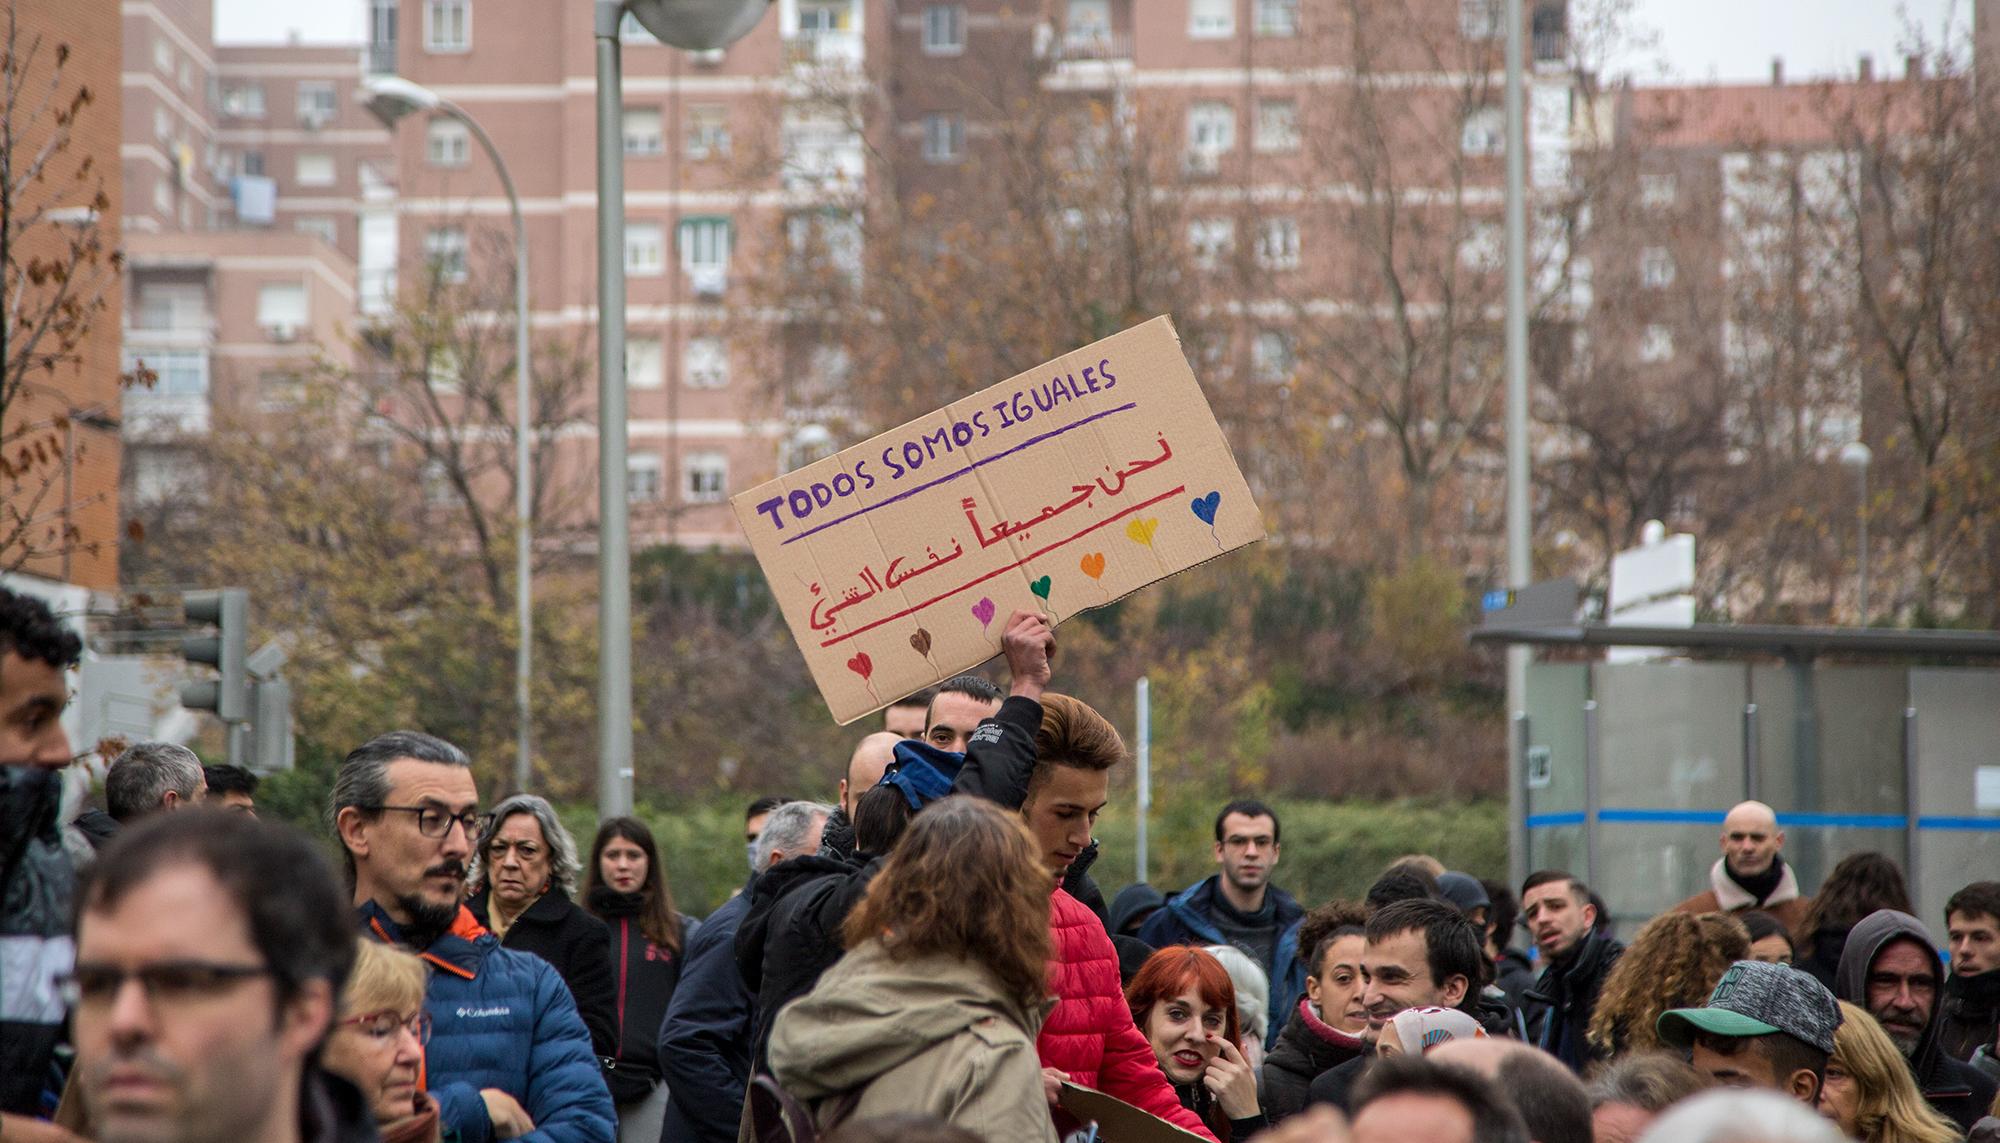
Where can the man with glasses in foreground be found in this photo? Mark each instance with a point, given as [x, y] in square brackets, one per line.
[509, 1056]
[204, 984]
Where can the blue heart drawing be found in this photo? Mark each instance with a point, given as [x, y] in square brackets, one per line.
[1205, 506]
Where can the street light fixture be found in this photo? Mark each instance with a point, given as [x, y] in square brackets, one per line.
[695, 25]
[391, 98]
[1855, 457]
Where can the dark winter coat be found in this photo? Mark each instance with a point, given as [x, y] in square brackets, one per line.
[37, 887]
[1969, 1014]
[1513, 975]
[704, 1042]
[1186, 920]
[646, 975]
[1819, 953]
[1959, 1091]
[1560, 1004]
[503, 1018]
[1336, 1084]
[579, 947]
[1307, 1047]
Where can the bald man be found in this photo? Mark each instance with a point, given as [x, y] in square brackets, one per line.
[1751, 874]
[865, 767]
[1549, 1097]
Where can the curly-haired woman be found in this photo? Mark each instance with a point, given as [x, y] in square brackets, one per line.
[1673, 962]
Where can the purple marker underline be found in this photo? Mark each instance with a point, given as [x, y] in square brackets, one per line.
[961, 472]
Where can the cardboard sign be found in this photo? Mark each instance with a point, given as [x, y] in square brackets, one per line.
[1118, 1121]
[1072, 485]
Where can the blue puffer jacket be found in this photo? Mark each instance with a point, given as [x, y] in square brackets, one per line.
[1183, 920]
[504, 1019]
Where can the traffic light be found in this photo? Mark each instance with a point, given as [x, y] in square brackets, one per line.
[271, 734]
[228, 609]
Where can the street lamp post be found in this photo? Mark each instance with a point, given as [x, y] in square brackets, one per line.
[696, 25]
[391, 98]
[1855, 457]
[1520, 569]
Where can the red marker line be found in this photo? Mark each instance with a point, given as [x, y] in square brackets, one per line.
[908, 611]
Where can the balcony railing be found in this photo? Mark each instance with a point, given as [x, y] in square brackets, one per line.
[824, 49]
[1092, 44]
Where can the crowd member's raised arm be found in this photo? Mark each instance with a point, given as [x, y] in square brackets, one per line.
[1000, 755]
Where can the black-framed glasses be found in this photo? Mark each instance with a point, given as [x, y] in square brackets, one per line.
[164, 982]
[383, 1025]
[436, 821]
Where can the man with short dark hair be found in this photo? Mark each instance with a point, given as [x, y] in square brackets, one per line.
[152, 776]
[37, 878]
[1890, 967]
[1970, 1014]
[237, 974]
[962, 702]
[232, 788]
[1765, 1026]
[1239, 906]
[1578, 956]
[1419, 953]
[1409, 1099]
[406, 811]
[905, 718]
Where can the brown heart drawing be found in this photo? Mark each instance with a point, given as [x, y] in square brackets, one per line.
[922, 642]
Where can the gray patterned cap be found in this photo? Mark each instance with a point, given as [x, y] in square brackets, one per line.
[1758, 999]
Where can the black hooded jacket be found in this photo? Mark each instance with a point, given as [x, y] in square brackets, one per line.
[1969, 1015]
[1957, 1090]
[1562, 1001]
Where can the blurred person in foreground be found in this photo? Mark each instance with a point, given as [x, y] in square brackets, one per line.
[1627, 1094]
[204, 986]
[378, 1041]
[1548, 1096]
[1411, 1099]
[1674, 961]
[1184, 1003]
[935, 1006]
[37, 876]
[1869, 1092]
[1735, 1116]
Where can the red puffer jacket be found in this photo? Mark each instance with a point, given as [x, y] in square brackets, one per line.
[1090, 1034]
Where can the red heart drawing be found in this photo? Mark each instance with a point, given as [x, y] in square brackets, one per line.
[861, 665]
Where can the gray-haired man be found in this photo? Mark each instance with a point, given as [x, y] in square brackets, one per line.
[152, 776]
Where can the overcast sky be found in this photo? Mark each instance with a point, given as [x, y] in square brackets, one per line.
[1696, 40]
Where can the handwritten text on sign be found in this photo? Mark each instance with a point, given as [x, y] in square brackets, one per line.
[1064, 488]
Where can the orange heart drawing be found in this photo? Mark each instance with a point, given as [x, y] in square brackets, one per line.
[1142, 530]
[1093, 565]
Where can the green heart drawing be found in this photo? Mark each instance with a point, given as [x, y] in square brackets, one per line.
[1041, 587]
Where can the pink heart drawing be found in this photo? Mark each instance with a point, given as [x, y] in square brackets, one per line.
[984, 612]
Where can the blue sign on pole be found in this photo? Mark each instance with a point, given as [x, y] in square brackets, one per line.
[1495, 600]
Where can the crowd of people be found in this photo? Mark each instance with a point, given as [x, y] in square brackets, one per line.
[925, 958]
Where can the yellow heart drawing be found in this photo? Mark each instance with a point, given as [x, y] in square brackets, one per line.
[1142, 530]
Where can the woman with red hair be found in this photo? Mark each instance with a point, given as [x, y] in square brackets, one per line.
[1185, 1005]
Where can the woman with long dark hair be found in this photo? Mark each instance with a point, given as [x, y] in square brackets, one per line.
[935, 1006]
[1184, 1002]
[625, 886]
[1860, 884]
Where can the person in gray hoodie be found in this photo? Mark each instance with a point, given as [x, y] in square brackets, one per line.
[935, 1006]
[1891, 967]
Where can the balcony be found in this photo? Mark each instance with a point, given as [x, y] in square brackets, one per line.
[824, 50]
[1092, 44]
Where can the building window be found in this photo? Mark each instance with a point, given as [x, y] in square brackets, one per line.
[645, 249]
[1656, 268]
[280, 391]
[643, 477]
[1484, 132]
[253, 164]
[1271, 356]
[382, 37]
[181, 372]
[1277, 17]
[1211, 19]
[1484, 247]
[243, 100]
[1482, 19]
[705, 363]
[944, 138]
[163, 55]
[320, 227]
[1211, 127]
[705, 476]
[444, 251]
[317, 105]
[644, 135]
[1087, 26]
[315, 169]
[1278, 243]
[944, 29]
[447, 143]
[281, 309]
[183, 74]
[707, 132]
[1211, 239]
[1656, 345]
[163, 125]
[645, 363]
[1657, 191]
[1277, 125]
[448, 25]
[704, 249]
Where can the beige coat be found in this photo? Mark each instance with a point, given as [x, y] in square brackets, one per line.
[930, 1035]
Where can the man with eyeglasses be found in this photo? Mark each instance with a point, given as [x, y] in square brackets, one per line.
[37, 877]
[508, 1056]
[204, 985]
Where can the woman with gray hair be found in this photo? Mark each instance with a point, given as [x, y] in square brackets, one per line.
[523, 873]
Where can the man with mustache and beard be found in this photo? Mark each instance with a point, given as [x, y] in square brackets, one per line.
[508, 1055]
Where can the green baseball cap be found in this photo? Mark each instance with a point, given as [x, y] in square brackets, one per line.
[1758, 999]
